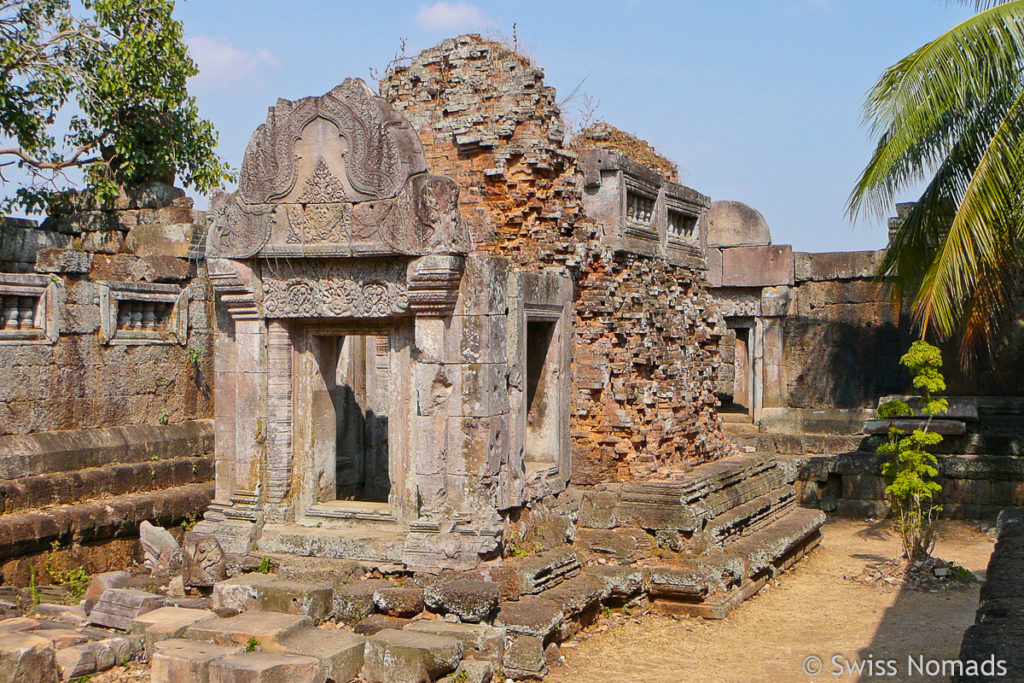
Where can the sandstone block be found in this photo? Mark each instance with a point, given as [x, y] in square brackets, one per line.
[295, 597]
[62, 637]
[268, 628]
[379, 622]
[72, 615]
[340, 653]
[176, 660]
[354, 602]
[530, 615]
[468, 599]
[619, 581]
[26, 658]
[17, 624]
[337, 573]
[471, 672]
[160, 240]
[161, 268]
[203, 561]
[165, 623]
[524, 657]
[105, 242]
[408, 657]
[98, 583]
[396, 601]
[89, 658]
[265, 667]
[63, 261]
[239, 593]
[479, 641]
[118, 607]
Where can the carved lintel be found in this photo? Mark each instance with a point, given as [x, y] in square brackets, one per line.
[344, 288]
[434, 284]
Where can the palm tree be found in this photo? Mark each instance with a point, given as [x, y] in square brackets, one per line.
[953, 112]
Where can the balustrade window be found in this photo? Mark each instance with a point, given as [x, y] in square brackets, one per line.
[141, 313]
[682, 226]
[639, 208]
[20, 312]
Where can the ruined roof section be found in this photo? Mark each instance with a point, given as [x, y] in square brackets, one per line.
[606, 136]
[487, 120]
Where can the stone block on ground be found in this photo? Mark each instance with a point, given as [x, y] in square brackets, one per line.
[15, 624]
[118, 607]
[26, 658]
[619, 581]
[524, 657]
[72, 615]
[398, 601]
[468, 599]
[408, 657]
[94, 656]
[62, 637]
[471, 672]
[530, 615]
[165, 623]
[335, 572]
[340, 653]
[101, 582]
[379, 622]
[295, 597]
[479, 641]
[265, 667]
[177, 660]
[268, 628]
[354, 602]
[239, 593]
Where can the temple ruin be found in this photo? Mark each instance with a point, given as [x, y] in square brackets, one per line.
[436, 355]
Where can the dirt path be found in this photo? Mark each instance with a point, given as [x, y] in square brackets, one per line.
[811, 610]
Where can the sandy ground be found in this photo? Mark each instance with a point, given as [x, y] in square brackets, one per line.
[810, 610]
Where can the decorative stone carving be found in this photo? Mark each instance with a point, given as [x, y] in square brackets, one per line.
[336, 289]
[319, 223]
[377, 152]
[237, 230]
[204, 562]
[434, 283]
[160, 551]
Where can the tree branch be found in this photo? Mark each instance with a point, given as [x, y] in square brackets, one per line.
[68, 162]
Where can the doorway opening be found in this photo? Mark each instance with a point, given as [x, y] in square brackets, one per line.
[351, 418]
[541, 392]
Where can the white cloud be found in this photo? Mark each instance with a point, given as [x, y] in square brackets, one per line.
[448, 16]
[221, 63]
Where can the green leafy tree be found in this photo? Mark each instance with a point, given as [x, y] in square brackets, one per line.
[912, 469]
[952, 113]
[101, 89]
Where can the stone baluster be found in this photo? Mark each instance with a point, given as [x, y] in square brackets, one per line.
[10, 312]
[124, 315]
[148, 316]
[136, 312]
[26, 312]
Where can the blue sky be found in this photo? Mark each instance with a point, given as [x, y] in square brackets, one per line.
[757, 101]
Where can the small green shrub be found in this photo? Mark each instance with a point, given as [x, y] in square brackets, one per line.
[164, 416]
[252, 645]
[910, 472]
[195, 357]
[264, 566]
[76, 580]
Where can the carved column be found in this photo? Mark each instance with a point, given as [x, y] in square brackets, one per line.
[279, 419]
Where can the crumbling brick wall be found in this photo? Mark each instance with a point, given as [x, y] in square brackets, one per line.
[82, 381]
[644, 344]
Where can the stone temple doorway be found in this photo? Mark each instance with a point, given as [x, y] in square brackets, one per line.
[351, 414]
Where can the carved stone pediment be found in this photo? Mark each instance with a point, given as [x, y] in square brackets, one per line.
[346, 146]
[338, 175]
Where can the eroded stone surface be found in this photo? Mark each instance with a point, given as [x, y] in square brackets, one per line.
[118, 607]
[203, 563]
[265, 667]
[469, 599]
[26, 658]
[408, 657]
[267, 628]
[177, 660]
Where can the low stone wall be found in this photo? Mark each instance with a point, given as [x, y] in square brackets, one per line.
[998, 631]
[973, 486]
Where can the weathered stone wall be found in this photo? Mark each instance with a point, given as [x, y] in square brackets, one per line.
[644, 347]
[88, 373]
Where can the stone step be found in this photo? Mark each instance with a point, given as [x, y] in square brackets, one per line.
[712, 586]
[270, 593]
[25, 533]
[65, 488]
[268, 630]
[747, 517]
[740, 428]
[340, 653]
[736, 418]
[798, 444]
[409, 657]
[364, 543]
